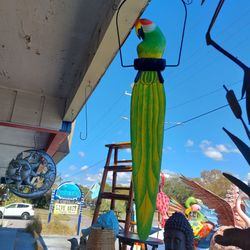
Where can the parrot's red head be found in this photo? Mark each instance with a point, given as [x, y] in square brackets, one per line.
[142, 26]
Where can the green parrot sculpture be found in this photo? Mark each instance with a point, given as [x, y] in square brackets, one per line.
[147, 122]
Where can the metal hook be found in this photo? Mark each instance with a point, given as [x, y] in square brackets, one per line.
[83, 138]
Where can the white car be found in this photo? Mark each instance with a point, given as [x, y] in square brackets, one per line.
[23, 210]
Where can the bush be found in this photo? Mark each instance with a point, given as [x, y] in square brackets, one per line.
[57, 227]
[54, 227]
[35, 225]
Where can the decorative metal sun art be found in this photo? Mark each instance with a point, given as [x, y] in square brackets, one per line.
[31, 174]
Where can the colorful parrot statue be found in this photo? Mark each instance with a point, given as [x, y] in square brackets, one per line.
[147, 122]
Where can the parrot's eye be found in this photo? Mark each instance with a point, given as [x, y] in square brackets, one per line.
[140, 33]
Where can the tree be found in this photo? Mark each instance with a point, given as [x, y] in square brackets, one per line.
[43, 201]
[175, 188]
[215, 181]
[87, 194]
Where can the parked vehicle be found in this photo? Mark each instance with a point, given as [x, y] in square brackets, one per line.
[23, 210]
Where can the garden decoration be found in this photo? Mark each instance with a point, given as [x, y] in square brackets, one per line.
[147, 116]
[74, 243]
[147, 122]
[235, 107]
[222, 207]
[221, 231]
[245, 68]
[241, 199]
[244, 149]
[239, 238]
[178, 233]
[209, 214]
[195, 211]
[232, 100]
[240, 184]
[228, 212]
[199, 223]
[175, 206]
[31, 174]
[193, 207]
[235, 236]
[162, 202]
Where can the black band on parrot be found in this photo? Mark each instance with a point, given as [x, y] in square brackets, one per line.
[149, 64]
[160, 77]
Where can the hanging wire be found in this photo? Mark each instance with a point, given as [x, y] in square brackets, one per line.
[201, 115]
[184, 2]
[90, 167]
[83, 138]
[199, 97]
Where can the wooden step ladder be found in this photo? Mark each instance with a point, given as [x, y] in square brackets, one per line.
[116, 166]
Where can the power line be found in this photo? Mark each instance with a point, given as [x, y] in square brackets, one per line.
[201, 96]
[176, 125]
[197, 62]
[198, 116]
[110, 128]
[91, 166]
[108, 111]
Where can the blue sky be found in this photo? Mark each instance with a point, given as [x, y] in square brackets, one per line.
[193, 88]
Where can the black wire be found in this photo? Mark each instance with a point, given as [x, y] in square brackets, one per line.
[108, 111]
[183, 33]
[97, 123]
[197, 50]
[200, 97]
[198, 116]
[91, 166]
[112, 125]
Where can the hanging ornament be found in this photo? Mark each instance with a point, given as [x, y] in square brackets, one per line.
[31, 174]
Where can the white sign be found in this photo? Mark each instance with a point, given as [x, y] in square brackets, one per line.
[61, 208]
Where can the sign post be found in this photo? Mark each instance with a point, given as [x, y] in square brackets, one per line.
[80, 215]
[67, 191]
[51, 205]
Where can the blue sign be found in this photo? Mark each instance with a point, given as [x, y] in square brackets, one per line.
[68, 191]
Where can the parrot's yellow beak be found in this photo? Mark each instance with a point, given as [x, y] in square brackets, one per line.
[138, 29]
